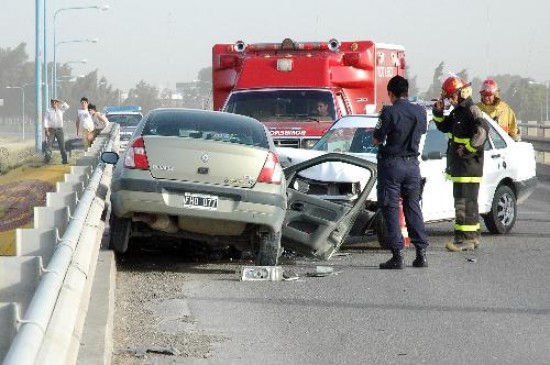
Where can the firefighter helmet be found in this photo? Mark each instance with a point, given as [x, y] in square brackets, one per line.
[489, 87]
[452, 85]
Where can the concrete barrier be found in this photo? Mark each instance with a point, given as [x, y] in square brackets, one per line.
[48, 217]
[36, 242]
[19, 278]
[9, 313]
[60, 200]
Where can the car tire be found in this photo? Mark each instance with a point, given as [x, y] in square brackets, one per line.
[381, 229]
[503, 214]
[119, 233]
[269, 249]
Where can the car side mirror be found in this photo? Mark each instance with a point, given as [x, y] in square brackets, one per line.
[110, 158]
[433, 155]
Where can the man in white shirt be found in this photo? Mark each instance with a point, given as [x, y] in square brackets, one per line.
[84, 123]
[53, 129]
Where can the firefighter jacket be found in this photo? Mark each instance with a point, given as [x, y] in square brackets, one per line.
[503, 115]
[467, 132]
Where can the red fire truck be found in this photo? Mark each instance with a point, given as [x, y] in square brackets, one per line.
[282, 84]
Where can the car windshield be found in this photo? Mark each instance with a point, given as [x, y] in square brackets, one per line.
[347, 139]
[223, 127]
[124, 120]
[283, 105]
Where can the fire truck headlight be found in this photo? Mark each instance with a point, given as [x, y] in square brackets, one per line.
[284, 64]
[308, 143]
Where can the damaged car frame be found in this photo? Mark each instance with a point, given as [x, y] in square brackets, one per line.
[214, 178]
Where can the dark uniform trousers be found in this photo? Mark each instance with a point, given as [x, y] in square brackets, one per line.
[467, 227]
[55, 133]
[401, 175]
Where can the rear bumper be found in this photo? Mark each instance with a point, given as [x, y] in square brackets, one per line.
[234, 204]
[525, 188]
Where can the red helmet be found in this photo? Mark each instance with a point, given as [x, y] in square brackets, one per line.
[489, 87]
[452, 85]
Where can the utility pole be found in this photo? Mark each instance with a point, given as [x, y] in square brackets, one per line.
[38, 78]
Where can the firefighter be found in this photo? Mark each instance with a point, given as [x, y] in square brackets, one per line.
[497, 109]
[398, 133]
[467, 131]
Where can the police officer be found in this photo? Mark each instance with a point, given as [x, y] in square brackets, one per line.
[467, 131]
[398, 133]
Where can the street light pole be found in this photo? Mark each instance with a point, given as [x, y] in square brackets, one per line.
[55, 60]
[547, 86]
[38, 78]
[54, 72]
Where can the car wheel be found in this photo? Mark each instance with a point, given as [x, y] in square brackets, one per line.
[120, 233]
[381, 229]
[269, 249]
[502, 217]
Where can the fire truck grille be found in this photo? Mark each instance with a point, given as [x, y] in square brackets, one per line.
[287, 143]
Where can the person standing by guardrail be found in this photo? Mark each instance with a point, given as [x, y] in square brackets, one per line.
[53, 130]
[497, 109]
[84, 123]
[100, 121]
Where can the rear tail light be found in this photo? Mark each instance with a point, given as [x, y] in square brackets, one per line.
[136, 158]
[271, 173]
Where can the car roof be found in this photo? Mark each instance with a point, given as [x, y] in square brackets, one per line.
[356, 120]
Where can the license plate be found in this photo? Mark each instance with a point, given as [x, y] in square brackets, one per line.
[200, 201]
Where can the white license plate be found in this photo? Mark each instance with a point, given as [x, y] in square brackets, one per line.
[200, 201]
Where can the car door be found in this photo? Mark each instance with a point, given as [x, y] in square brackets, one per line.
[315, 226]
[437, 198]
[495, 167]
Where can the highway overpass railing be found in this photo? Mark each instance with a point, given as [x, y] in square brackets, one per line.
[45, 287]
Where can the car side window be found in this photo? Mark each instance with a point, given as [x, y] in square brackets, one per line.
[497, 139]
[435, 141]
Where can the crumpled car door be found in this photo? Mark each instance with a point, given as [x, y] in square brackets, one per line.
[317, 225]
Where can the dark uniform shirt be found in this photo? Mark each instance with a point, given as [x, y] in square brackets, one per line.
[399, 129]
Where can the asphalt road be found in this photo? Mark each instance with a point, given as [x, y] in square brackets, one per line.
[491, 306]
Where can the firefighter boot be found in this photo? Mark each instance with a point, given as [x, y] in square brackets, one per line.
[421, 260]
[397, 260]
[460, 246]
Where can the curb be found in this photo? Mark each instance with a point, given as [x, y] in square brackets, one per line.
[96, 345]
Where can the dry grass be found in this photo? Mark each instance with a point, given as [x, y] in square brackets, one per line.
[15, 153]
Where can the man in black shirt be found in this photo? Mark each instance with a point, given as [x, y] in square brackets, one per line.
[398, 133]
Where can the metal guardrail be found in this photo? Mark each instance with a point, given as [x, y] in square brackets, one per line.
[68, 243]
[536, 134]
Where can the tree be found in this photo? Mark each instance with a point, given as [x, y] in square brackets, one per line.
[435, 88]
[144, 95]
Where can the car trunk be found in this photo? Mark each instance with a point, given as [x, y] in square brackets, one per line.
[209, 162]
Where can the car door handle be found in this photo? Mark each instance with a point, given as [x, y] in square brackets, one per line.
[298, 206]
[495, 156]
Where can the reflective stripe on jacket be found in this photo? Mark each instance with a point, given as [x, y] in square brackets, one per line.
[464, 126]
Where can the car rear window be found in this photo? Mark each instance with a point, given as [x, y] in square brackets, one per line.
[213, 126]
[124, 120]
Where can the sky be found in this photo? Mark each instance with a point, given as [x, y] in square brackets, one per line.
[166, 41]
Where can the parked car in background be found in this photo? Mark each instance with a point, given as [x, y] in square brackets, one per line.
[128, 117]
[509, 172]
[214, 178]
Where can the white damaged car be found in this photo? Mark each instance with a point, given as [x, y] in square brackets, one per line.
[509, 175]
